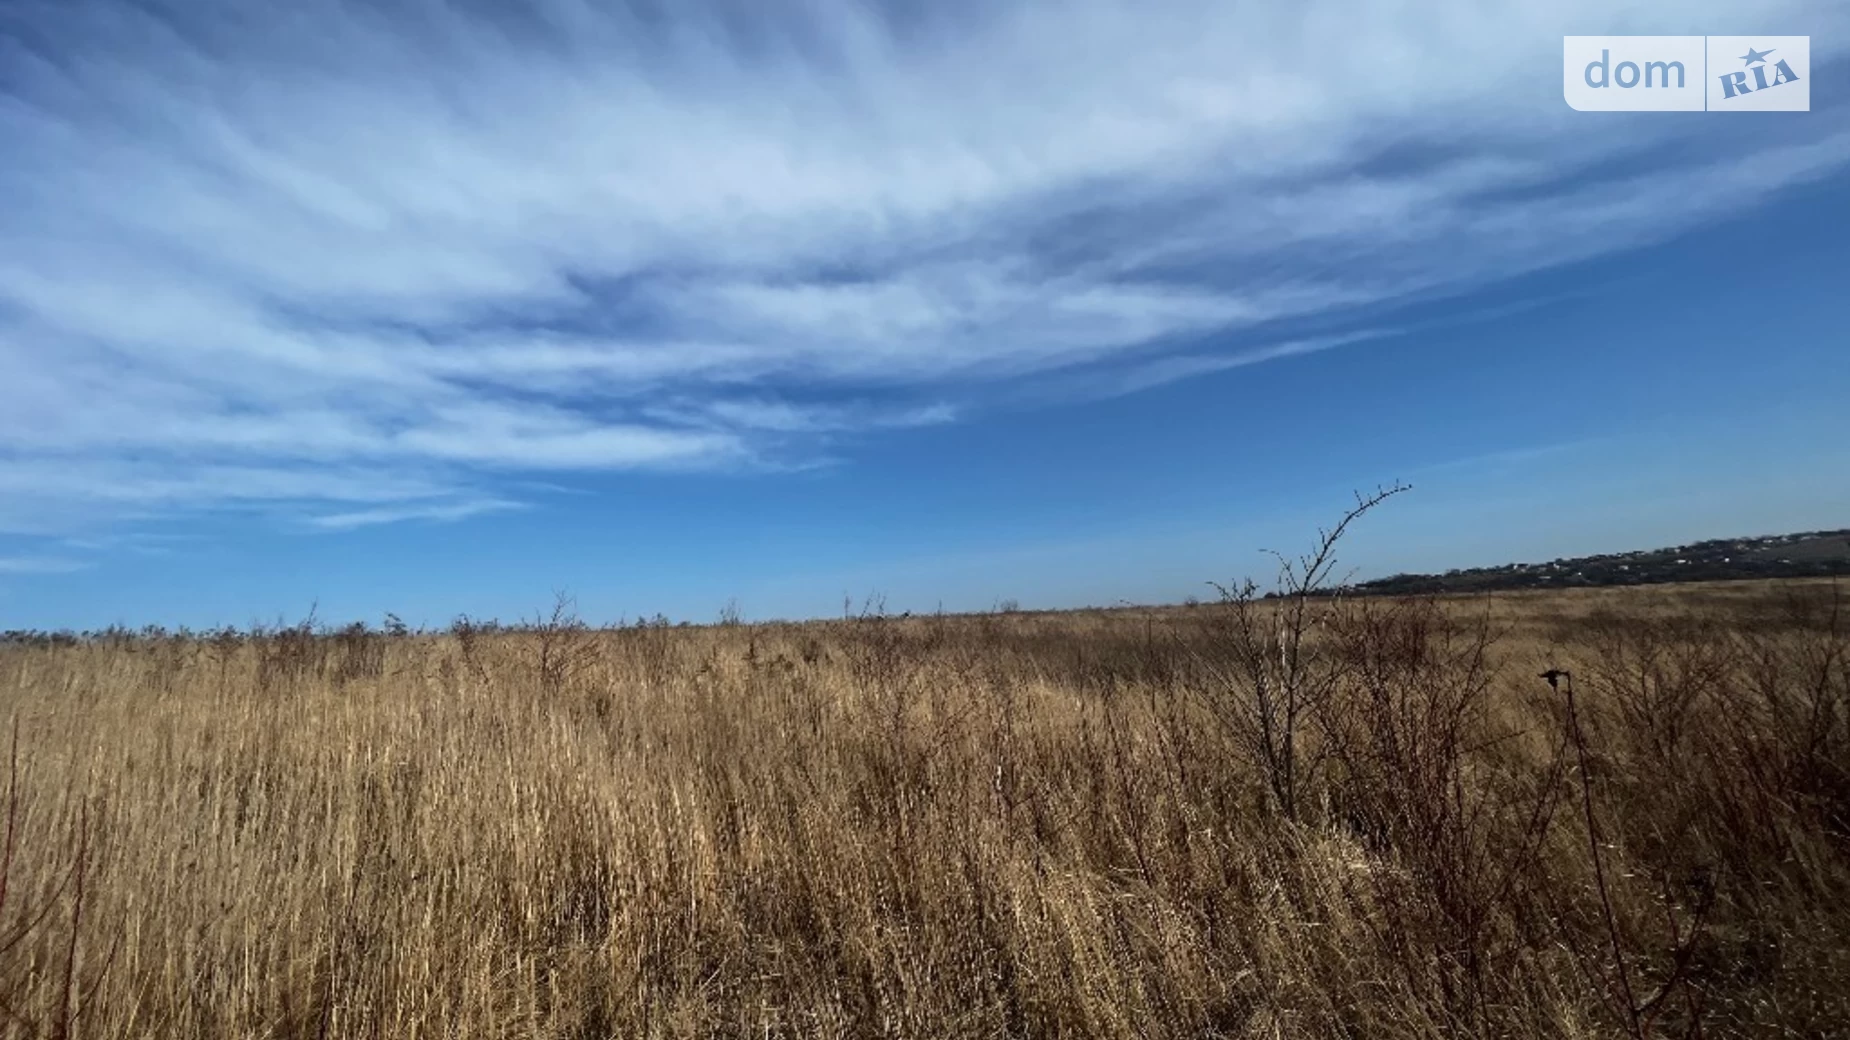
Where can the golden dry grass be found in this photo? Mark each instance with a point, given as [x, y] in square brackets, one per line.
[1021, 825]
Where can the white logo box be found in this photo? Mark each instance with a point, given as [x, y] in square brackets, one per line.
[1687, 73]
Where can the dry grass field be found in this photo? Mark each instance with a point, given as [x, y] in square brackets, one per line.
[1379, 821]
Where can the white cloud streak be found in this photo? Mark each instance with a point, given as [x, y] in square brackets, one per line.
[40, 565]
[396, 255]
[437, 512]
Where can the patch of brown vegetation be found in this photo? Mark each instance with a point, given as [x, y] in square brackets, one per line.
[1021, 825]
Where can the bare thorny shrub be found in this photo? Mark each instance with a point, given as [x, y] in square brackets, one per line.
[289, 655]
[1423, 775]
[359, 654]
[1722, 755]
[1381, 719]
[1309, 815]
[1374, 720]
[563, 648]
[1283, 676]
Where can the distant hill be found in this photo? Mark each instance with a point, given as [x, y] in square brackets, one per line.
[1811, 554]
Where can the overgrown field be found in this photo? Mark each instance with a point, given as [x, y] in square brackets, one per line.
[1373, 820]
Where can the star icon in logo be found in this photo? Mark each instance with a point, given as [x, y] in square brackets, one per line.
[1753, 56]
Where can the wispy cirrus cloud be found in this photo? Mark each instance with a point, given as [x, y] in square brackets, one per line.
[40, 565]
[432, 511]
[1116, 381]
[371, 262]
[140, 543]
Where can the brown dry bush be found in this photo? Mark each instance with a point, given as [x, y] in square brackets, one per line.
[1001, 825]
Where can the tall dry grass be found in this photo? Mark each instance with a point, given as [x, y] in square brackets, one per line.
[1020, 825]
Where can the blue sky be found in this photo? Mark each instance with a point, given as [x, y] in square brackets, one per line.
[437, 308]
